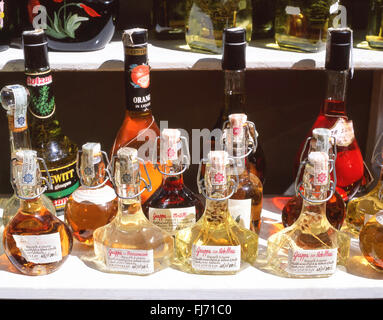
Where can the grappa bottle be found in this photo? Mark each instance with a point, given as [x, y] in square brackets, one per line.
[349, 163]
[15, 99]
[206, 20]
[94, 204]
[321, 141]
[35, 241]
[47, 137]
[216, 244]
[234, 70]
[169, 18]
[173, 206]
[311, 247]
[245, 205]
[139, 124]
[374, 35]
[131, 243]
[302, 25]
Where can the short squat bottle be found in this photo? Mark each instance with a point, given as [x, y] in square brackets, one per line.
[94, 203]
[173, 206]
[311, 247]
[131, 244]
[35, 241]
[216, 244]
[15, 99]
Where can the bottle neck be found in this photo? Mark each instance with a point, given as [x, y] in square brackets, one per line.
[19, 138]
[234, 91]
[31, 206]
[334, 104]
[137, 80]
[171, 183]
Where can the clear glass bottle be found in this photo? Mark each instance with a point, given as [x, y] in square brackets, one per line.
[139, 123]
[169, 19]
[94, 204]
[131, 243]
[35, 241]
[15, 99]
[47, 137]
[234, 72]
[263, 18]
[206, 20]
[320, 141]
[311, 247]
[374, 35]
[302, 25]
[351, 173]
[173, 206]
[216, 244]
[245, 205]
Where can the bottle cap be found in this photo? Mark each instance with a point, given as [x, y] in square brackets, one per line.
[234, 49]
[34, 37]
[338, 49]
[169, 150]
[35, 47]
[127, 153]
[135, 37]
[93, 148]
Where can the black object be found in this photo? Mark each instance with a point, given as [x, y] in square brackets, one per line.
[35, 47]
[234, 49]
[7, 20]
[80, 25]
[339, 45]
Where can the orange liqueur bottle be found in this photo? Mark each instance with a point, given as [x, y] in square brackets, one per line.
[139, 124]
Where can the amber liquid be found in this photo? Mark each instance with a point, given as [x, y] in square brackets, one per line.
[133, 123]
[371, 243]
[35, 219]
[85, 217]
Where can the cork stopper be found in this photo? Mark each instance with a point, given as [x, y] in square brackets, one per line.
[319, 162]
[322, 138]
[130, 154]
[169, 150]
[218, 160]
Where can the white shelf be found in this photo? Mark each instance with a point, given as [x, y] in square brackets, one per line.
[76, 280]
[175, 55]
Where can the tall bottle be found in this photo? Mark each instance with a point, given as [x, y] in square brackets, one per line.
[234, 70]
[15, 100]
[245, 205]
[320, 141]
[349, 164]
[173, 206]
[94, 204]
[216, 244]
[47, 137]
[311, 247]
[374, 35]
[139, 124]
[35, 241]
[131, 243]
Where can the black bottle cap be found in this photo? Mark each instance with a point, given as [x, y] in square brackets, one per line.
[234, 49]
[338, 50]
[135, 37]
[35, 46]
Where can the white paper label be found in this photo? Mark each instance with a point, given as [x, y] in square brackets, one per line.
[216, 258]
[129, 260]
[29, 168]
[343, 132]
[312, 262]
[174, 219]
[96, 196]
[21, 103]
[44, 248]
[240, 210]
[379, 217]
[292, 10]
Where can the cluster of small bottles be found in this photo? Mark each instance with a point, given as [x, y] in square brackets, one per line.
[136, 212]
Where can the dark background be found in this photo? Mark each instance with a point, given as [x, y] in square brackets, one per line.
[282, 103]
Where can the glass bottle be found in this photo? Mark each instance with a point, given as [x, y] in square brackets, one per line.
[139, 124]
[245, 205]
[131, 243]
[374, 35]
[263, 18]
[206, 20]
[169, 19]
[302, 25]
[94, 204]
[35, 241]
[173, 206]
[321, 141]
[216, 243]
[47, 137]
[311, 247]
[361, 209]
[234, 71]
[15, 99]
[350, 171]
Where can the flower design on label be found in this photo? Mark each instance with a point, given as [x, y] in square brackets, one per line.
[126, 178]
[28, 178]
[219, 178]
[171, 153]
[140, 75]
[322, 178]
[21, 121]
[236, 131]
